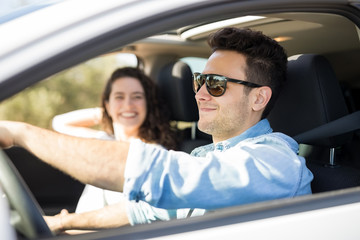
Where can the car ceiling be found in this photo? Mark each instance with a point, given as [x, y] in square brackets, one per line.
[331, 35]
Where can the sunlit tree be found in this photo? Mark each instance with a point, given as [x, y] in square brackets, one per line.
[75, 88]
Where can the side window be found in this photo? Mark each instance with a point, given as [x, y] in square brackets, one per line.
[78, 87]
[127, 60]
[196, 64]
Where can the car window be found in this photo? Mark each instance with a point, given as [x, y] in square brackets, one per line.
[127, 60]
[195, 63]
[75, 88]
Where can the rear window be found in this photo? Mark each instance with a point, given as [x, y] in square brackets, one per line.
[196, 64]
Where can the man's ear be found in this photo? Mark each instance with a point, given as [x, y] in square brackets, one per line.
[261, 98]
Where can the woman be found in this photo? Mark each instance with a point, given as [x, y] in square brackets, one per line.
[130, 109]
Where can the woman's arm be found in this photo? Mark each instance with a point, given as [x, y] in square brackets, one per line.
[79, 122]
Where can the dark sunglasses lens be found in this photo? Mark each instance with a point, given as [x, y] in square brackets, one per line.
[216, 85]
[198, 81]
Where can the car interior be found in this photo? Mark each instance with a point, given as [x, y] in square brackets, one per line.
[322, 87]
[318, 106]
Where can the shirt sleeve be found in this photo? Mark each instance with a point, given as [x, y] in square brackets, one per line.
[239, 175]
[141, 213]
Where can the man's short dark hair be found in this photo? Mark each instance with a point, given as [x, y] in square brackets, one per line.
[266, 60]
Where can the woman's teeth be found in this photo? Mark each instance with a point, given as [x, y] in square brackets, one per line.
[128, 114]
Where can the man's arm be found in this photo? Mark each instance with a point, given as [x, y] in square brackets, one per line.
[92, 161]
[111, 216]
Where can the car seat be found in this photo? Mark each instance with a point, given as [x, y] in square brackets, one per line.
[175, 85]
[312, 97]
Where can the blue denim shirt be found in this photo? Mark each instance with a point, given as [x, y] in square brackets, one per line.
[257, 165]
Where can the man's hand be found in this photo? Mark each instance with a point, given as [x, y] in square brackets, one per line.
[55, 223]
[110, 216]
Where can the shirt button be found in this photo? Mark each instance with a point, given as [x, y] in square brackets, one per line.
[219, 147]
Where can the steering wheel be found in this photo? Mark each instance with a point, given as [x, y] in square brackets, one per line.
[26, 214]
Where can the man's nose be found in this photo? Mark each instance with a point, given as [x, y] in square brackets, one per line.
[202, 94]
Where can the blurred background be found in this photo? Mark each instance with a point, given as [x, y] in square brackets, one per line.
[75, 88]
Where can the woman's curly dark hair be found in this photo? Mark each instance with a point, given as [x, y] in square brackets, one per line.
[266, 60]
[156, 126]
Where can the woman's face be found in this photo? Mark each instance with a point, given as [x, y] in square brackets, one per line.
[127, 104]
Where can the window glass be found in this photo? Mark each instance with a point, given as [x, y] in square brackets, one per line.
[196, 64]
[78, 87]
[126, 60]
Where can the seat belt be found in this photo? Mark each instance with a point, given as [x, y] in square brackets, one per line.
[339, 126]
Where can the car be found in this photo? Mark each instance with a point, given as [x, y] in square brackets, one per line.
[319, 106]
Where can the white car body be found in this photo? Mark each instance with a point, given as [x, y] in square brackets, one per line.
[24, 53]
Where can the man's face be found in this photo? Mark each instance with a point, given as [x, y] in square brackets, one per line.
[230, 114]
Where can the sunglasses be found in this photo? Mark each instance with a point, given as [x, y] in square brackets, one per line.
[216, 84]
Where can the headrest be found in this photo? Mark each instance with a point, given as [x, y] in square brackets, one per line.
[175, 84]
[311, 97]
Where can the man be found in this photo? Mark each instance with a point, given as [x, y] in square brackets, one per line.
[246, 163]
